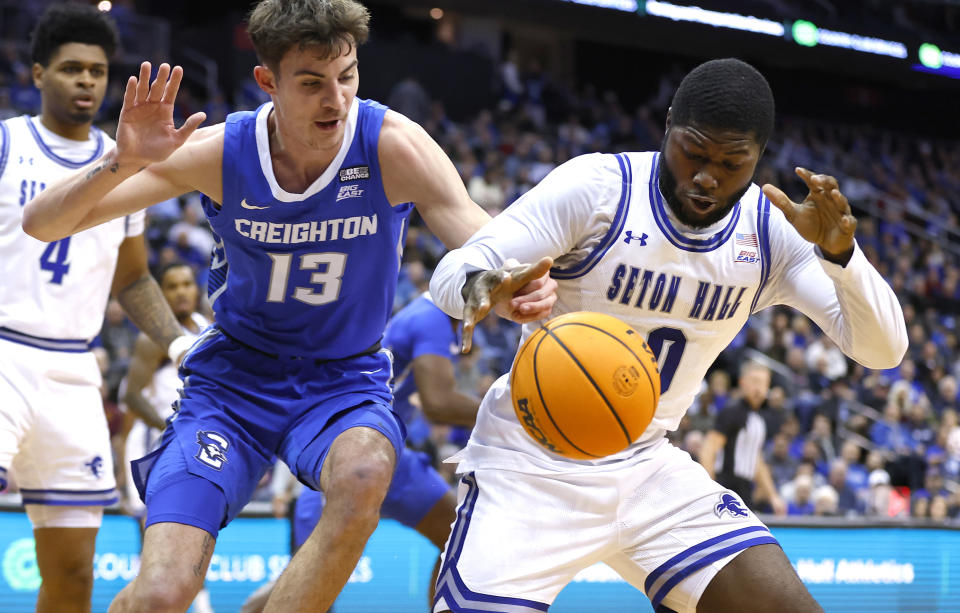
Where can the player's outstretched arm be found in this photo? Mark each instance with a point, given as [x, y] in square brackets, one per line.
[842, 292]
[146, 136]
[415, 169]
[146, 359]
[440, 400]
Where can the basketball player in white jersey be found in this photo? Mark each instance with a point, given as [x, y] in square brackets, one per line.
[681, 245]
[53, 433]
[152, 385]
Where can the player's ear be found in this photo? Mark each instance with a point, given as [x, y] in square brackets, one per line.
[37, 73]
[265, 78]
[669, 109]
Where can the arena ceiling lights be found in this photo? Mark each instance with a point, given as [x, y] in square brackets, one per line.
[802, 32]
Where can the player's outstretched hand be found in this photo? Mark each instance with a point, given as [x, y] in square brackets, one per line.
[520, 292]
[146, 132]
[824, 216]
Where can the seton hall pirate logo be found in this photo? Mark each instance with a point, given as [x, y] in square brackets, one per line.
[730, 504]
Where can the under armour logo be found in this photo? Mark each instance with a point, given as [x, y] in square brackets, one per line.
[630, 237]
[95, 465]
[729, 503]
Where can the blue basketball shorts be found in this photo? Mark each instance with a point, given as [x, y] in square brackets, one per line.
[239, 409]
[416, 488]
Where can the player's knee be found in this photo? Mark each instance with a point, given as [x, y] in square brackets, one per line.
[165, 595]
[361, 485]
[69, 576]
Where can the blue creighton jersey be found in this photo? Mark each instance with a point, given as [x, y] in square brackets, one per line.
[309, 274]
[420, 328]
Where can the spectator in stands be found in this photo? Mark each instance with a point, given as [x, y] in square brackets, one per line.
[782, 465]
[938, 509]
[802, 503]
[878, 499]
[825, 358]
[776, 411]
[825, 501]
[890, 434]
[856, 472]
[821, 435]
[848, 502]
[946, 394]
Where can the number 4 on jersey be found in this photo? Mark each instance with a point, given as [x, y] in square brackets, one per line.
[54, 259]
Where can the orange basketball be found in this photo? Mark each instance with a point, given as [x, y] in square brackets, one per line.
[585, 385]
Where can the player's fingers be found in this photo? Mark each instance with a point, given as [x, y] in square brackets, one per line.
[542, 288]
[780, 200]
[848, 223]
[827, 183]
[192, 123]
[532, 311]
[172, 86]
[467, 341]
[130, 93]
[841, 202]
[143, 83]
[804, 174]
[158, 85]
[519, 277]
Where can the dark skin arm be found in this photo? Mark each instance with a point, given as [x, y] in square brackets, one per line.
[140, 296]
[439, 398]
[147, 357]
[823, 218]
[498, 290]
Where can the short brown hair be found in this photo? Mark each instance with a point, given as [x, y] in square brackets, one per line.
[334, 26]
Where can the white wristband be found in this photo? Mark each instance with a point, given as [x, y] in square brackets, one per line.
[178, 347]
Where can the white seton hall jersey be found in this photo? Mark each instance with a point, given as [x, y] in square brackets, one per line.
[53, 295]
[618, 249]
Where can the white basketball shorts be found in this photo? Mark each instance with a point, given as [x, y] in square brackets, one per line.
[53, 432]
[657, 519]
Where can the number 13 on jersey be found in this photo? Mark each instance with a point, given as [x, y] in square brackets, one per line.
[325, 284]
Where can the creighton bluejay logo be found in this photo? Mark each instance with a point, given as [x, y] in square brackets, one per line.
[213, 449]
[729, 503]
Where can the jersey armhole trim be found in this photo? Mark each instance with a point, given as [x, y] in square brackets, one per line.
[763, 229]
[4, 145]
[616, 226]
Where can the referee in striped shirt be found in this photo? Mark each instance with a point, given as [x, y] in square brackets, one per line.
[733, 450]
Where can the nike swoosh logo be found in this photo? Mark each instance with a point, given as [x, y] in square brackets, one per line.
[244, 204]
[370, 372]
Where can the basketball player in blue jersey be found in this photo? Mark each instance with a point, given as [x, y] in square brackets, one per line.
[423, 341]
[309, 197]
[684, 247]
[53, 433]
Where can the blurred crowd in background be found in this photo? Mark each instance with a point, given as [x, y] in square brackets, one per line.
[841, 440]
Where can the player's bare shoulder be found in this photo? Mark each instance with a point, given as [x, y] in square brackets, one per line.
[408, 158]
